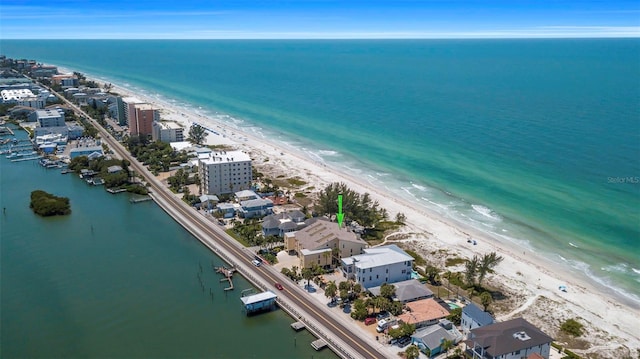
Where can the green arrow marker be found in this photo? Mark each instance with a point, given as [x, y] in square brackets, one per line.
[340, 215]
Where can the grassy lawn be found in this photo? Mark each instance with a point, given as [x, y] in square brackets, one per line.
[235, 235]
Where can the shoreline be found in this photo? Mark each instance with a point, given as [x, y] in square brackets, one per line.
[527, 274]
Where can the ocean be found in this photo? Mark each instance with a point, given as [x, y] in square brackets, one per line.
[119, 280]
[534, 142]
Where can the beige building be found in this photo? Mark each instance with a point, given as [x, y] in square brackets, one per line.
[315, 244]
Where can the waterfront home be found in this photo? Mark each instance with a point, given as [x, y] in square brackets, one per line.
[474, 317]
[315, 244]
[246, 195]
[513, 339]
[385, 264]
[208, 201]
[71, 132]
[228, 210]
[91, 151]
[281, 223]
[50, 118]
[114, 169]
[430, 339]
[424, 312]
[255, 208]
[407, 291]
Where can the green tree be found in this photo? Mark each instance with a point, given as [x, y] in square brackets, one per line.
[45, 204]
[412, 352]
[400, 218]
[331, 290]
[387, 290]
[431, 273]
[455, 316]
[485, 299]
[307, 274]
[471, 270]
[360, 310]
[486, 265]
[197, 134]
[446, 346]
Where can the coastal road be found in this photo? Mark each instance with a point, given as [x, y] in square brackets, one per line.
[318, 319]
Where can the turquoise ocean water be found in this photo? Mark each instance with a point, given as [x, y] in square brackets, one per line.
[535, 142]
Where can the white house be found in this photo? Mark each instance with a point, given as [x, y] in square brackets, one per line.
[473, 317]
[386, 264]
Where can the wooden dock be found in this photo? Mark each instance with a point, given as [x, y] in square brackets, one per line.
[318, 344]
[27, 159]
[227, 273]
[297, 326]
[140, 199]
[114, 191]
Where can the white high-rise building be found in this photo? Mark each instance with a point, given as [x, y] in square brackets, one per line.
[167, 132]
[225, 172]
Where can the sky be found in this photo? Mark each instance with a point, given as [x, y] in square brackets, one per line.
[317, 19]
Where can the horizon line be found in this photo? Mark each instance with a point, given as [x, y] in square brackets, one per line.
[560, 37]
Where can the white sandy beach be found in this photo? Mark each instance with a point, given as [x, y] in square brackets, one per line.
[530, 281]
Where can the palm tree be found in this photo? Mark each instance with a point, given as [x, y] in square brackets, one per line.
[485, 299]
[331, 290]
[307, 274]
[471, 270]
[487, 263]
[446, 346]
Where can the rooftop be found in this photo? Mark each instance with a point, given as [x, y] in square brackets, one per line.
[318, 234]
[226, 157]
[260, 297]
[407, 291]
[378, 256]
[478, 315]
[507, 337]
[423, 311]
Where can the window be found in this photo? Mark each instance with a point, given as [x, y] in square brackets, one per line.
[387, 270]
[377, 276]
[370, 270]
[369, 277]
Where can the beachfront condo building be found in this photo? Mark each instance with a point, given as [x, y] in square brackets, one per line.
[128, 109]
[225, 172]
[141, 118]
[321, 241]
[386, 264]
[167, 132]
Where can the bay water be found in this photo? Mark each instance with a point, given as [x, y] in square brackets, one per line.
[120, 280]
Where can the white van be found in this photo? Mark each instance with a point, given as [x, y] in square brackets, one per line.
[386, 323]
[256, 262]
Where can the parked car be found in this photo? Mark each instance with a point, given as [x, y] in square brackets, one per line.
[403, 341]
[279, 286]
[383, 315]
[369, 321]
[385, 323]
